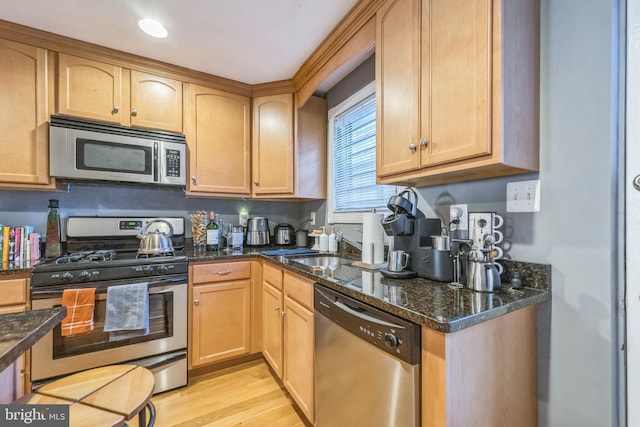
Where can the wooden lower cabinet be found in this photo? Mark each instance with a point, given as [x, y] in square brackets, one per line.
[288, 333]
[14, 379]
[221, 312]
[272, 332]
[482, 376]
[298, 354]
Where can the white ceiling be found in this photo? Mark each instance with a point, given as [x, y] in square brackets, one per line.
[251, 41]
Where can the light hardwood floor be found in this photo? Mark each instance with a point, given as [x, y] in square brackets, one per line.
[245, 395]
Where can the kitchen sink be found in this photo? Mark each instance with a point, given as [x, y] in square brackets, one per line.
[322, 261]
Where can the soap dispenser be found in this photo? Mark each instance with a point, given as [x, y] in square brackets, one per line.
[333, 241]
[324, 241]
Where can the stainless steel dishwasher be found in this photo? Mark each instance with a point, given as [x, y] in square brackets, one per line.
[367, 364]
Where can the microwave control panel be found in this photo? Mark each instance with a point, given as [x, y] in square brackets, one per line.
[173, 163]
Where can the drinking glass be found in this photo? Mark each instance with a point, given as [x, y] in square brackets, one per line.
[227, 232]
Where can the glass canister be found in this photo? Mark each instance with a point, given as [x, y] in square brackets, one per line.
[199, 231]
[53, 247]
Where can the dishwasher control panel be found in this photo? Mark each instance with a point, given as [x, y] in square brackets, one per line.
[392, 334]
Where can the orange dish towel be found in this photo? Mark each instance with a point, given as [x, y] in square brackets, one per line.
[79, 303]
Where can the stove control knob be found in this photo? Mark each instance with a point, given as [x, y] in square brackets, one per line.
[163, 269]
[148, 270]
[66, 276]
[391, 340]
[85, 275]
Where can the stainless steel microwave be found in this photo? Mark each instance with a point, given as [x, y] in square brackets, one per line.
[92, 151]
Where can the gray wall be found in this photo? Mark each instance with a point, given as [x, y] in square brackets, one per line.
[30, 207]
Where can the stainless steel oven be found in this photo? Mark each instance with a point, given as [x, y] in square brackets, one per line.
[163, 350]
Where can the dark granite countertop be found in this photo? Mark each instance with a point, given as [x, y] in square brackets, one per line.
[433, 304]
[10, 269]
[19, 331]
[436, 305]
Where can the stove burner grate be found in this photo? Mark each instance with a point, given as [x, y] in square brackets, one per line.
[159, 254]
[84, 256]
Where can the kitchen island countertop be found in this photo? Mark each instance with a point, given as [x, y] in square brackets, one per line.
[19, 331]
[436, 305]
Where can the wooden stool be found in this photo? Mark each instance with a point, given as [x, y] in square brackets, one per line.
[109, 396]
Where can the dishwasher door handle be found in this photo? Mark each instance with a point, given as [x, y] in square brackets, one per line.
[363, 315]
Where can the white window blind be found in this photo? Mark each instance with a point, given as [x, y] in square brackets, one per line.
[354, 187]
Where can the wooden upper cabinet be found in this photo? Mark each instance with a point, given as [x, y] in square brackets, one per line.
[273, 145]
[456, 120]
[398, 67]
[217, 127]
[446, 111]
[100, 91]
[156, 102]
[90, 89]
[289, 148]
[24, 114]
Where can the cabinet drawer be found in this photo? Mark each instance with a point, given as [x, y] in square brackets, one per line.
[299, 289]
[272, 275]
[221, 272]
[13, 291]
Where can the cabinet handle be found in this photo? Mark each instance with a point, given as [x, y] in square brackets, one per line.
[134, 112]
[196, 302]
[277, 308]
[282, 313]
[194, 180]
[224, 273]
[423, 142]
[255, 182]
[116, 108]
[412, 147]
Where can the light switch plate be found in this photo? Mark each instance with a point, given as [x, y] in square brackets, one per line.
[523, 196]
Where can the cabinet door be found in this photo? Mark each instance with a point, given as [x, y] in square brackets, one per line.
[456, 117]
[89, 89]
[23, 114]
[218, 139]
[298, 354]
[273, 145]
[398, 68]
[221, 321]
[272, 309]
[156, 102]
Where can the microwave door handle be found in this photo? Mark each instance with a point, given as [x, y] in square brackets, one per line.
[156, 162]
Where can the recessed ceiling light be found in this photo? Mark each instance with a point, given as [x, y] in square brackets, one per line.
[153, 28]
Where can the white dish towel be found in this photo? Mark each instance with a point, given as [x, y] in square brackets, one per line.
[127, 311]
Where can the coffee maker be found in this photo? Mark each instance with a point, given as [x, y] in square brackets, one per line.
[413, 233]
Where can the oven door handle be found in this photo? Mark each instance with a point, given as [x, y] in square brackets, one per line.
[155, 286]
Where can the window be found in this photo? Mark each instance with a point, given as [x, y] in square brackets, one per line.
[352, 159]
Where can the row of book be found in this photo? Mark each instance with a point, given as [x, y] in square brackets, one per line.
[19, 244]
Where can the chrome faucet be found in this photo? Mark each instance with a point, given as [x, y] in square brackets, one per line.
[341, 236]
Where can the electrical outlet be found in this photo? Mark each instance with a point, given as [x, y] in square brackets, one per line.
[312, 218]
[523, 196]
[461, 212]
[243, 218]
